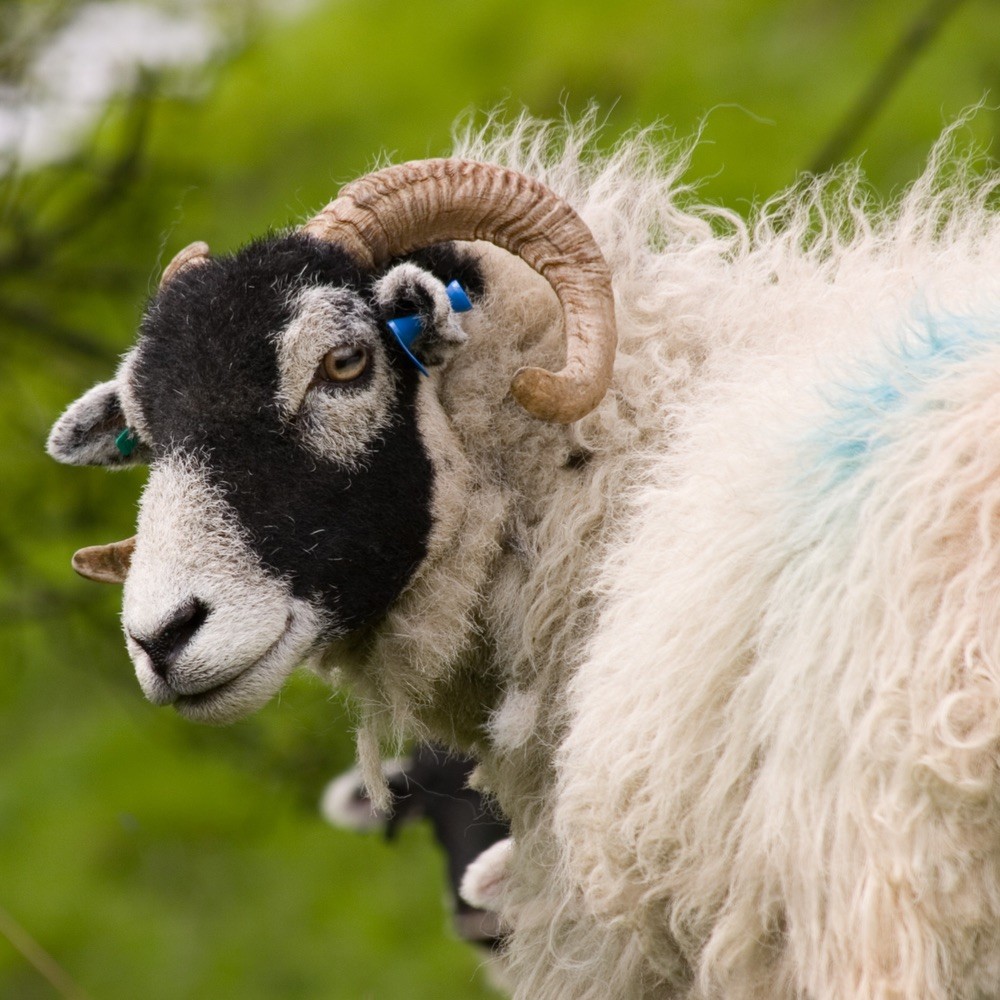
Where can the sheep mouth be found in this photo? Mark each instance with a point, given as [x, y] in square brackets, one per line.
[249, 689]
[212, 703]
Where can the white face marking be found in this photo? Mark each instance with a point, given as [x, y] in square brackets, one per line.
[339, 424]
[486, 878]
[256, 631]
[345, 803]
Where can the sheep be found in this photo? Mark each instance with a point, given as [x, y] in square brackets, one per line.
[721, 631]
[432, 784]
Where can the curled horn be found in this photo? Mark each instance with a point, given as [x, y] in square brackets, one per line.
[105, 563]
[192, 255]
[404, 208]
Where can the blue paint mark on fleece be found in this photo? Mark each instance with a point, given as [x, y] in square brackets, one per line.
[931, 349]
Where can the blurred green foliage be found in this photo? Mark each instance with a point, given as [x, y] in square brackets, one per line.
[160, 860]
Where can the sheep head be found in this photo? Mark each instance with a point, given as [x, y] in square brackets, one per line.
[289, 500]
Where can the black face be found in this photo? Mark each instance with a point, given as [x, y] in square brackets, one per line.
[207, 377]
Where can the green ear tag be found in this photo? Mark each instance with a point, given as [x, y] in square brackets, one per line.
[126, 442]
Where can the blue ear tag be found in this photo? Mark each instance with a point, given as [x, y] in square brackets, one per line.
[406, 329]
[456, 296]
[126, 441]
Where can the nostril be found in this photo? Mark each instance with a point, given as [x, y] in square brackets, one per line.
[164, 646]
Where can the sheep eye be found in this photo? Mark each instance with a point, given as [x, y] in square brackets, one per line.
[344, 363]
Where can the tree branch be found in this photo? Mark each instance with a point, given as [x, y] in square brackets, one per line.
[54, 331]
[925, 28]
[39, 959]
[33, 247]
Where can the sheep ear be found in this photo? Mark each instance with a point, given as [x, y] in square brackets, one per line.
[421, 313]
[93, 431]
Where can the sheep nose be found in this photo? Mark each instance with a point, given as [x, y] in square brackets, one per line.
[164, 646]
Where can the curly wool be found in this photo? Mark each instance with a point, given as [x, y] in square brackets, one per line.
[737, 629]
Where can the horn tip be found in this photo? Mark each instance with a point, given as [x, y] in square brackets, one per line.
[192, 255]
[104, 563]
[553, 397]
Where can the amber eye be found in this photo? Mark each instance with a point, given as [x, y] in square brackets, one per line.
[344, 363]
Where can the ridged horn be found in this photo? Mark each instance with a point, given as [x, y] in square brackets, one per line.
[404, 208]
[192, 255]
[105, 563]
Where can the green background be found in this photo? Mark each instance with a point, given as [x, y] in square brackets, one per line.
[157, 859]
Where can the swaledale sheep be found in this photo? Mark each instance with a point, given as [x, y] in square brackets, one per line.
[725, 638]
[432, 785]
